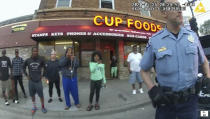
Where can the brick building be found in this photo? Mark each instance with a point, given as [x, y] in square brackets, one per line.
[110, 26]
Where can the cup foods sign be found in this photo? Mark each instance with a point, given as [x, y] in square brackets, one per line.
[116, 21]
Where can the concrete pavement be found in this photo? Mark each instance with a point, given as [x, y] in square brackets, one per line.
[117, 97]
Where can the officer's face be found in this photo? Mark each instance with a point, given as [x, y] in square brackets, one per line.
[172, 16]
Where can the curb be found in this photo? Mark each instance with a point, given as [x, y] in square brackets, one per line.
[75, 114]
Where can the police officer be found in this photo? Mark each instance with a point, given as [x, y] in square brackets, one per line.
[176, 53]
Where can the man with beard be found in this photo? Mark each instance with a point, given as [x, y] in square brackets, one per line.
[176, 53]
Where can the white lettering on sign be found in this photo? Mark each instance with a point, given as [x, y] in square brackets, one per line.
[57, 34]
[136, 36]
[89, 33]
[119, 30]
[204, 113]
[75, 33]
[107, 34]
[40, 35]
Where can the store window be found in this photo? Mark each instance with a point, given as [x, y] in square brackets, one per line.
[86, 57]
[62, 45]
[128, 47]
[106, 4]
[144, 5]
[45, 48]
[87, 48]
[63, 3]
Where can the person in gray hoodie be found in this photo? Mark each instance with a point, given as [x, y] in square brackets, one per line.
[69, 65]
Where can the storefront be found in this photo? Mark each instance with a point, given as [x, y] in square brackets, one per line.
[110, 35]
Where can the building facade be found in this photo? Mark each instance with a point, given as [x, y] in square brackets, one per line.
[110, 26]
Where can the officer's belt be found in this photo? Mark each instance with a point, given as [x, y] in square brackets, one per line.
[177, 97]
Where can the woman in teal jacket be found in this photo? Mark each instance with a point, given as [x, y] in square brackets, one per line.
[97, 77]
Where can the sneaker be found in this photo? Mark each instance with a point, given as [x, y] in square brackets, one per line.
[134, 92]
[97, 106]
[141, 90]
[50, 100]
[33, 110]
[44, 110]
[78, 105]
[60, 99]
[6, 103]
[66, 108]
[89, 108]
[16, 102]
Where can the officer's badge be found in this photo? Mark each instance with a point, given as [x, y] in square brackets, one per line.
[162, 49]
[190, 38]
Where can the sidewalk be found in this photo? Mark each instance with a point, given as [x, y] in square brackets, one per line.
[117, 97]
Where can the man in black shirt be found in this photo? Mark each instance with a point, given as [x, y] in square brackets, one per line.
[5, 64]
[35, 64]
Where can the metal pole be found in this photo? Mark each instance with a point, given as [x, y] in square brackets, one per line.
[193, 16]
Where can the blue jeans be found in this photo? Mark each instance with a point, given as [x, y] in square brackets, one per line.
[70, 87]
[135, 76]
[187, 110]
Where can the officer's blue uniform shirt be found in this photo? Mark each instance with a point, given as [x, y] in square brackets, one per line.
[176, 60]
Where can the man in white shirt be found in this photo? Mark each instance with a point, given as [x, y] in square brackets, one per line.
[134, 59]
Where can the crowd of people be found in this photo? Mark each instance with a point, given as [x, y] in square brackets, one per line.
[174, 53]
[36, 69]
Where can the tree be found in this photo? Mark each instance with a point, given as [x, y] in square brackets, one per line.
[205, 28]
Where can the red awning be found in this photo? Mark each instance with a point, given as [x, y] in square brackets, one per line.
[53, 31]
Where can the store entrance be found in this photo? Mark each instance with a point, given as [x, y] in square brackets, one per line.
[108, 49]
[60, 46]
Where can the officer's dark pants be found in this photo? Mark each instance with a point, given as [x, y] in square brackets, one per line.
[187, 110]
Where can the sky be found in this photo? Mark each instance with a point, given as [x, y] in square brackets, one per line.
[16, 8]
[201, 17]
